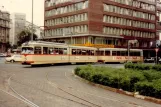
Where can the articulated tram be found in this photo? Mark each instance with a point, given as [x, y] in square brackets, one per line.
[40, 52]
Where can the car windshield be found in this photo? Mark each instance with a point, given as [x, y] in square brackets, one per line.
[27, 50]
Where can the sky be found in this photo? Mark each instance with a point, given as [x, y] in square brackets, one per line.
[25, 6]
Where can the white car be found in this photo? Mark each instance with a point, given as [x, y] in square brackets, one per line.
[2, 55]
[14, 58]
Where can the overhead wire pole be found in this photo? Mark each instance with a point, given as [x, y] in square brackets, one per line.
[32, 33]
[71, 38]
[156, 48]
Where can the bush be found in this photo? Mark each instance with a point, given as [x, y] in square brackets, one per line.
[149, 88]
[156, 67]
[157, 87]
[140, 66]
[145, 88]
[77, 69]
[137, 78]
[137, 66]
[151, 75]
[128, 65]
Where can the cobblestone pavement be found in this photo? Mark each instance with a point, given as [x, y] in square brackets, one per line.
[56, 86]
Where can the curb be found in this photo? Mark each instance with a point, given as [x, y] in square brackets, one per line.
[120, 91]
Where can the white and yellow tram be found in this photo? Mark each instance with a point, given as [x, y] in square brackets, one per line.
[40, 52]
[34, 53]
[119, 55]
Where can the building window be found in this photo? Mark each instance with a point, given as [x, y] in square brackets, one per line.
[66, 9]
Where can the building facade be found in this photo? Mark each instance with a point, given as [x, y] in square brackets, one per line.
[4, 30]
[18, 22]
[38, 30]
[111, 23]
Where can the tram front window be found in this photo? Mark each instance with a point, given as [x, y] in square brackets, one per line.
[27, 50]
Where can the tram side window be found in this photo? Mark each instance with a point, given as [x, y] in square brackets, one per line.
[123, 53]
[88, 52]
[65, 51]
[118, 53]
[84, 52]
[79, 52]
[132, 54]
[74, 52]
[114, 53]
[136, 53]
[56, 51]
[107, 53]
[37, 50]
[92, 52]
[60, 51]
[51, 51]
[100, 53]
[27, 50]
[45, 50]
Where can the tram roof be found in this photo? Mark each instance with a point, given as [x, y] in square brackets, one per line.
[44, 43]
[120, 49]
[41, 43]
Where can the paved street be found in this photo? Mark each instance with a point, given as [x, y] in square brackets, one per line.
[56, 86]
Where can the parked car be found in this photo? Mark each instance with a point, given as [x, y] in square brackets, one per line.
[3, 55]
[14, 58]
[159, 60]
[151, 59]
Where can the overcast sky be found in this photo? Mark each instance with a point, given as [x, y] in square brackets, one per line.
[24, 6]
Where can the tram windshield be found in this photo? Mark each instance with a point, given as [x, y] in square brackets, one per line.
[27, 50]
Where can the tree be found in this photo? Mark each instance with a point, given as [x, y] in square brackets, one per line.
[8, 46]
[14, 46]
[25, 36]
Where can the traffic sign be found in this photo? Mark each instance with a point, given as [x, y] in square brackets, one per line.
[156, 49]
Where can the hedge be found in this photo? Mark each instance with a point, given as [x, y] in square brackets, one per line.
[149, 88]
[145, 82]
[140, 66]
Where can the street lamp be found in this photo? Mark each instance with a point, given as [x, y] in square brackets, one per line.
[156, 45]
[32, 21]
[71, 37]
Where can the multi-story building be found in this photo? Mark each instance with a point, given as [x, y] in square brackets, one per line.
[4, 30]
[111, 23]
[17, 25]
[159, 19]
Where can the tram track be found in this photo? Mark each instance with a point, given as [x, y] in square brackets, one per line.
[34, 105]
[65, 91]
[38, 89]
[46, 75]
[57, 86]
[15, 94]
[91, 94]
[111, 99]
[20, 96]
